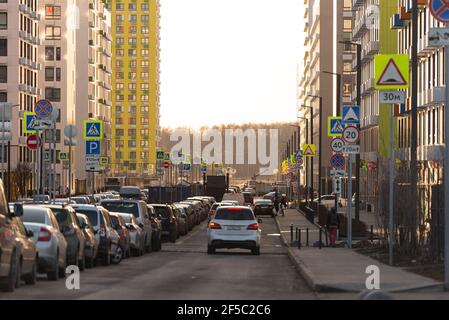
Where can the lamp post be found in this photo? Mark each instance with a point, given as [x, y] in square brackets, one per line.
[338, 75]
[310, 179]
[319, 143]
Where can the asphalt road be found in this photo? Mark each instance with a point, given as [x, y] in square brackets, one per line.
[184, 271]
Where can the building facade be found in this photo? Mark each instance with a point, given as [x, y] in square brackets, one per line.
[135, 112]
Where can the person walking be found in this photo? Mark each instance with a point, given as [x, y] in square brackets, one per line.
[276, 201]
[332, 224]
[283, 204]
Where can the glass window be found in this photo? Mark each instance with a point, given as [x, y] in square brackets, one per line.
[52, 12]
[49, 53]
[49, 74]
[3, 74]
[3, 47]
[3, 20]
[52, 33]
[234, 214]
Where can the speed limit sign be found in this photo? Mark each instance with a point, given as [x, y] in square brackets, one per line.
[351, 135]
[337, 145]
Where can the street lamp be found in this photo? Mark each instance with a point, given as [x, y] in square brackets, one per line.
[310, 190]
[320, 142]
[338, 75]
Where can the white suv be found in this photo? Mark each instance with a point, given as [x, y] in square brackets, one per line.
[234, 227]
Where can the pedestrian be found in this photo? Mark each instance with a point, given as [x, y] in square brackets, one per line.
[283, 204]
[332, 224]
[276, 201]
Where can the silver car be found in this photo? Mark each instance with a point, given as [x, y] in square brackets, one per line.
[136, 234]
[50, 242]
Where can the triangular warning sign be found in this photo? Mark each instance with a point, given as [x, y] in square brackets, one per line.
[337, 128]
[351, 116]
[391, 76]
[308, 151]
[93, 131]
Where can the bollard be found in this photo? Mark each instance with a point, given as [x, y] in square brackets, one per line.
[291, 233]
[299, 238]
[321, 238]
[372, 233]
[307, 237]
[296, 234]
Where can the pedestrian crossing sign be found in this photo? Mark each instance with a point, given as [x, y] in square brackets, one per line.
[93, 130]
[30, 122]
[308, 150]
[391, 71]
[335, 127]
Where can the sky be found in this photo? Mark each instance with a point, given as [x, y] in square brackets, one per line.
[229, 61]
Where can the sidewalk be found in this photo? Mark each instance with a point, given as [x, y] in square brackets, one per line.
[341, 269]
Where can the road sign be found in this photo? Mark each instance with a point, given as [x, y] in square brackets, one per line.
[33, 142]
[160, 155]
[392, 97]
[5, 111]
[186, 167]
[93, 130]
[70, 131]
[440, 10]
[337, 185]
[47, 156]
[30, 123]
[204, 169]
[167, 156]
[338, 162]
[438, 37]
[93, 148]
[337, 145]
[351, 115]
[298, 155]
[104, 160]
[334, 126]
[92, 163]
[43, 109]
[351, 135]
[308, 150]
[62, 156]
[351, 149]
[391, 71]
[338, 173]
[43, 124]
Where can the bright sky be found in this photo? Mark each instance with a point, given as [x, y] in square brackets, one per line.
[229, 61]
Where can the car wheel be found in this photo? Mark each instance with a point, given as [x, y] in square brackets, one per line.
[31, 277]
[10, 281]
[210, 249]
[82, 263]
[118, 255]
[255, 251]
[53, 275]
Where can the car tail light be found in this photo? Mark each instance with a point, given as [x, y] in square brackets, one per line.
[102, 230]
[212, 213]
[254, 226]
[234, 209]
[214, 225]
[44, 235]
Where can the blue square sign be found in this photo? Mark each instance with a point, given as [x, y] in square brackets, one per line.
[351, 115]
[93, 148]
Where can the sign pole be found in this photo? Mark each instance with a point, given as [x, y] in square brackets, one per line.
[70, 168]
[446, 176]
[390, 199]
[54, 164]
[349, 231]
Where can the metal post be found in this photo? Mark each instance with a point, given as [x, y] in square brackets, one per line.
[307, 237]
[349, 227]
[54, 164]
[299, 238]
[291, 233]
[446, 175]
[372, 233]
[391, 192]
[3, 142]
[321, 152]
[311, 158]
[70, 168]
[357, 156]
[9, 172]
[320, 237]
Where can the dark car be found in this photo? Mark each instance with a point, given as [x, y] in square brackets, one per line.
[91, 243]
[70, 228]
[168, 220]
[264, 206]
[156, 224]
[190, 212]
[120, 226]
[249, 199]
[181, 216]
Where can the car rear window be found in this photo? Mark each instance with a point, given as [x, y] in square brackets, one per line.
[163, 211]
[36, 217]
[234, 214]
[91, 214]
[264, 202]
[247, 196]
[62, 216]
[214, 206]
[122, 207]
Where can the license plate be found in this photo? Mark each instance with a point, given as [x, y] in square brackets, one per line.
[264, 207]
[234, 228]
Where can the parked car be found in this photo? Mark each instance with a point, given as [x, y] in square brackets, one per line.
[132, 192]
[105, 234]
[70, 228]
[120, 226]
[327, 200]
[195, 206]
[168, 219]
[136, 234]
[41, 198]
[248, 197]
[264, 206]
[234, 227]
[50, 242]
[199, 207]
[81, 200]
[91, 243]
[139, 209]
[181, 216]
[190, 212]
[156, 225]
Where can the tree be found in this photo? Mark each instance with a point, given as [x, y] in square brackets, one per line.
[21, 176]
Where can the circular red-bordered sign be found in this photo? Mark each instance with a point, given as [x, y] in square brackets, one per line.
[351, 135]
[33, 142]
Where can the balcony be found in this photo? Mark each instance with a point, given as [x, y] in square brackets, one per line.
[369, 121]
[424, 153]
[432, 97]
[424, 47]
[367, 87]
[357, 3]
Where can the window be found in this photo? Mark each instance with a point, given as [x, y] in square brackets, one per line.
[119, 29]
[144, 63]
[145, 52]
[119, 86]
[132, 52]
[52, 33]
[3, 47]
[49, 53]
[144, 18]
[52, 12]
[119, 143]
[133, 64]
[132, 132]
[144, 97]
[53, 94]
[119, 63]
[133, 29]
[132, 41]
[118, 121]
[119, 52]
[120, 97]
[144, 75]
[145, 41]
[144, 143]
[144, 86]
[3, 74]
[144, 155]
[132, 155]
[3, 20]
[132, 121]
[119, 132]
[119, 6]
[144, 120]
[131, 97]
[49, 74]
[120, 41]
[3, 96]
[58, 74]
[133, 18]
[132, 143]
[58, 53]
[144, 109]
[145, 30]
[132, 7]
[119, 18]
[145, 6]
[132, 86]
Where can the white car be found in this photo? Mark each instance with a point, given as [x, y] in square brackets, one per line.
[234, 227]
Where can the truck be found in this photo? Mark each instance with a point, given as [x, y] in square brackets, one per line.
[216, 187]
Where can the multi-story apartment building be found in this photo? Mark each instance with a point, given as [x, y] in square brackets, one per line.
[93, 83]
[57, 55]
[19, 73]
[326, 73]
[135, 125]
